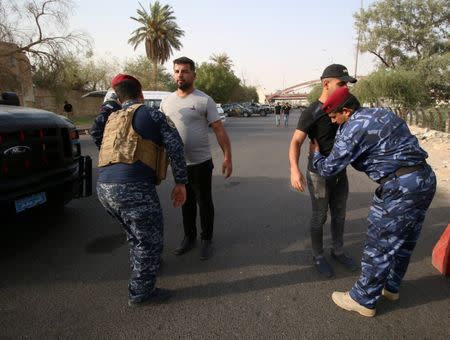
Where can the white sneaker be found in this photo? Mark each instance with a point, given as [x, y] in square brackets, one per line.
[389, 295]
[345, 301]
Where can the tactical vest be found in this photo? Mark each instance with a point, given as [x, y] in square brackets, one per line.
[122, 144]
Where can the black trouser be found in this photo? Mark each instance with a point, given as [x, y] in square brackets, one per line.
[327, 193]
[198, 191]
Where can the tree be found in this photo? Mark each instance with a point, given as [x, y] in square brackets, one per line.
[399, 32]
[435, 75]
[216, 81]
[74, 73]
[244, 93]
[410, 39]
[159, 32]
[142, 69]
[46, 41]
[399, 88]
[314, 94]
[222, 59]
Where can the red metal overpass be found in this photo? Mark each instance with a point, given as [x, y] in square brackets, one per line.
[296, 92]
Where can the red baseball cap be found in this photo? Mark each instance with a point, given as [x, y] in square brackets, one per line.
[121, 77]
[337, 100]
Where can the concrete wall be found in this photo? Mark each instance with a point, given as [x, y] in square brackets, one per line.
[82, 107]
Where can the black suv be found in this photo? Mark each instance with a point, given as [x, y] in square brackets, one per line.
[40, 159]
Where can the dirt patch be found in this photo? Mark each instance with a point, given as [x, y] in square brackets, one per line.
[437, 144]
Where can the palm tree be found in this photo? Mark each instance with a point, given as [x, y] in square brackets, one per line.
[222, 59]
[159, 32]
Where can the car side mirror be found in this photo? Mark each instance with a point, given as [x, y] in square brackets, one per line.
[10, 98]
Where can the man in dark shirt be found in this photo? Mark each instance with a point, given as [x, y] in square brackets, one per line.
[286, 109]
[277, 114]
[326, 192]
[68, 109]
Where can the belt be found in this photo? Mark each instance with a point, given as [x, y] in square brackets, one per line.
[400, 172]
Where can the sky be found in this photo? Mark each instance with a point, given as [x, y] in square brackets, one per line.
[273, 44]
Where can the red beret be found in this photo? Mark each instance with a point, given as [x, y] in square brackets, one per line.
[120, 78]
[337, 99]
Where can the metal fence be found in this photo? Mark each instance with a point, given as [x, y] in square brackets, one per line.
[435, 118]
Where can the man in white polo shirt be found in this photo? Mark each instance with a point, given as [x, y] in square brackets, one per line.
[193, 112]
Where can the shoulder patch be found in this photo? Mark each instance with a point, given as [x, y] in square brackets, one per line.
[170, 122]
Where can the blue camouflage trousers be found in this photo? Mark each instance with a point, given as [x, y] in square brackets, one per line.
[395, 221]
[136, 206]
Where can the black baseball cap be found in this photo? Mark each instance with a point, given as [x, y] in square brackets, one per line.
[339, 72]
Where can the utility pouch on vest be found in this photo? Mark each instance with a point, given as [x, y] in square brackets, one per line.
[122, 144]
[162, 162]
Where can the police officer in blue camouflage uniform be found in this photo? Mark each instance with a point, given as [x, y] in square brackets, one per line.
[110, 105]
[127, 188]
[380, 144]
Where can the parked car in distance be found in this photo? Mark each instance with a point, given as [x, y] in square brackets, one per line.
[40, 157]
[257, 108]
[251, 107]
[236, 110]
[265, 109]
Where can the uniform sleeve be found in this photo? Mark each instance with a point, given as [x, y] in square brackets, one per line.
[212, 115]
[162, 105]
[98, 126]
[173, 145]
[348, 146]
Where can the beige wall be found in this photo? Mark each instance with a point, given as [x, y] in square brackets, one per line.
[82, 107]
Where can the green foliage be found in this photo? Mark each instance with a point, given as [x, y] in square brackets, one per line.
[399, 32]
[222, 59]
[244, 93]
[217, 81]
[410, 39]
[399, 88]
[71, 73]
[142, 69]
[159, 32]
[435, 74]
[314, 94]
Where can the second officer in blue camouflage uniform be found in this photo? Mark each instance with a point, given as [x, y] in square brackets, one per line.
[380, 144]
[131, 161]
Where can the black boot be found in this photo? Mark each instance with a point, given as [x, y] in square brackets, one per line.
[186, 245]
[323, 267]
[206, 250]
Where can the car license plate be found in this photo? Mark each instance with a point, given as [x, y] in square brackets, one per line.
[30, 201]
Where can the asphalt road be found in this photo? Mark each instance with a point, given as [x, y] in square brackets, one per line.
[64, 275]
